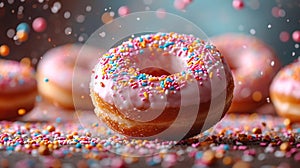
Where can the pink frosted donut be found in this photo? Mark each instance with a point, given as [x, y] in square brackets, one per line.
[285, 91]
[57, 81]
[140, 87]
[253, 65]
[18, 89]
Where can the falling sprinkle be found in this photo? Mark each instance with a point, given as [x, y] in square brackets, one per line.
[284, 36]
[272, 63]
[238, 4]
[252, 31]
[257, 96]
[296, 36]
[4, 50]
[123, 11]
[39, 24]
[68, 30]
[21, 111]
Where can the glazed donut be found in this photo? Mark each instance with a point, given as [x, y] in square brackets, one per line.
[253, 65]
[285, 91]
[18, 89]
[139, 87]
[57, 81]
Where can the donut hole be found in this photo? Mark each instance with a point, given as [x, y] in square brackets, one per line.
[140, 105]
[155, 71]
[157, 63]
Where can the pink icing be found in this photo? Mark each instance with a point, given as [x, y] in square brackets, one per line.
[63, 66]
[253, 64]
[16, 77]
[117, 78]
[287, 81]
[57, 65]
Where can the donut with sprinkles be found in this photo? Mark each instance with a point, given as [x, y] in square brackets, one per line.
[285, 91]
[142, 86]
[63, 77]
[18, 89]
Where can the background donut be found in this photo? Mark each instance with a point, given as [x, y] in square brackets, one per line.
[253, 64]
[18, 89]
[285, 91]
[272, 21]
[57, 81]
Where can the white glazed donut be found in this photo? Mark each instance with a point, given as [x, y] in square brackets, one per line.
[139, 87]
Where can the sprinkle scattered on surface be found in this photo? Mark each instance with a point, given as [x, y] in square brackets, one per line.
[251, 141]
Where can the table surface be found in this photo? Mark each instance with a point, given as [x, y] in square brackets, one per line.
[74, 139]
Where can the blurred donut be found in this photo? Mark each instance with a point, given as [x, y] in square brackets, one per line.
[253, 64]
[57, 81]
[285, 91]
[18, 89]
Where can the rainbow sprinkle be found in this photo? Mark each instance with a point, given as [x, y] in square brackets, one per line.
[256, 140]
[200, 59]
[14, 74]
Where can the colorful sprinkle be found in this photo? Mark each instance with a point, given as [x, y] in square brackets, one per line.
[39, 24]
[257, 96]
[238, 4]
[21, 111]
[66, 140]
[23, 27]
[117, 64]
[296, 36]
[284, 36]
[4, 50]
[123, 11]
[22, 36]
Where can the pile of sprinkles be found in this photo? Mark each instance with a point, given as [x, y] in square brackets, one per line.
[202, 62]
[256, 141]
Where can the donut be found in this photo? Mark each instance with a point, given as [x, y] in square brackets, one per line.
[18, 89]
[57, 82]
[253, 64]
[160, 85]
[285, 91]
